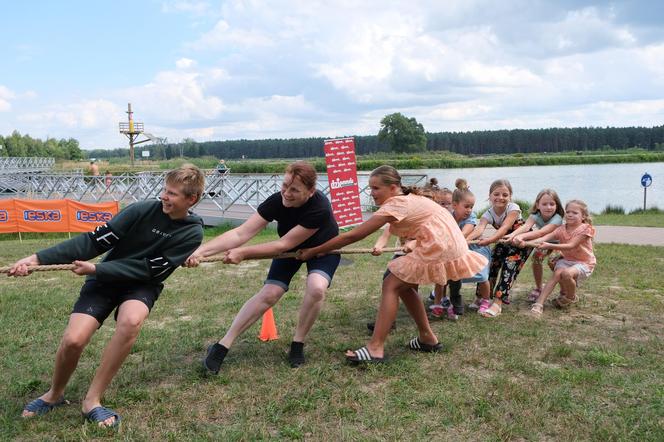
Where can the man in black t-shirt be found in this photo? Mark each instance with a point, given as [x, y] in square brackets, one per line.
[304, 219]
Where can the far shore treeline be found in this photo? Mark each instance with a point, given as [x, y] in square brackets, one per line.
[517, 147]
[474, 143]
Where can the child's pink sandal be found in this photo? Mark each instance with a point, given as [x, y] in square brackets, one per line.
[484, 306]
[492, 311]
[533, 296]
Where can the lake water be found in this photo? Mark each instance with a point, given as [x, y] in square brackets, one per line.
[597, 184]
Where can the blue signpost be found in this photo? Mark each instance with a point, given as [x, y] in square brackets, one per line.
[646, 181]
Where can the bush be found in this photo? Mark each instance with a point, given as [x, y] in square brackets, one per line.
[525, 207]
[649, 211]
[616, 210]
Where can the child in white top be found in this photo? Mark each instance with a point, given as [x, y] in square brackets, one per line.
[506, 259]
[546, 215]
[578, 260]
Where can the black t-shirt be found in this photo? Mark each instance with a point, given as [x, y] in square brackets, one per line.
[316, 213]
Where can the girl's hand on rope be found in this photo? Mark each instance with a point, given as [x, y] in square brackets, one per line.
[233, 256]
[376, 251]
[20, 268]
[517, 241]
[409, 246]
[484, 242]
[544, 246]
[194, 260]
[84, 268]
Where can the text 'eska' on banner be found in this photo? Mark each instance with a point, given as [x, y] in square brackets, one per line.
[40, 216]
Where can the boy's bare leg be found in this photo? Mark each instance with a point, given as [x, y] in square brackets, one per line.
[77, 335]
[131, 315]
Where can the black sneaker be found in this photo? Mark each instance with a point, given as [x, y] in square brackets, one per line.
[215, 356]
[296, 354]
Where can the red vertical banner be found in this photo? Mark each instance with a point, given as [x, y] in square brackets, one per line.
[342, 177]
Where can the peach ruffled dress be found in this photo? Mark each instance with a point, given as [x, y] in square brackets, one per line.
[442, 252]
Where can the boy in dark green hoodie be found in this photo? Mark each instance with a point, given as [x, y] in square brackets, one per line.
[143, 245]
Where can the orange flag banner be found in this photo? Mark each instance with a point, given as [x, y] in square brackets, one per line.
[40, 216]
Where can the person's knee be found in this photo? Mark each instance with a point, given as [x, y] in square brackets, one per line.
[567, 275]
[316, 293]
[130, 324]
[271, 294]
[74, 340]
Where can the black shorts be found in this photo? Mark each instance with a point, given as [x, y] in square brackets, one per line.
[282, 270]
[98, 299]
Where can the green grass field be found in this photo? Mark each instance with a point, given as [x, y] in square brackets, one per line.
[633, 219]
[593, 373]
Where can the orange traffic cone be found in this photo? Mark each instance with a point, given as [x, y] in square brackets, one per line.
[268, 327]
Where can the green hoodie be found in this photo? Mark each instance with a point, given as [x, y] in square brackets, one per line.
[141, 243]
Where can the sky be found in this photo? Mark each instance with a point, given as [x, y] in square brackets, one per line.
[223, 70]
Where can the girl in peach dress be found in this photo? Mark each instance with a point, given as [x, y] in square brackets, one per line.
[441, 254]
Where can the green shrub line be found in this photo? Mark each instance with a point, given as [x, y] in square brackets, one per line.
[422, 160]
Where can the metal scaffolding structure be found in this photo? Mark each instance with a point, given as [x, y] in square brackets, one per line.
[13, 165]
[223, 192]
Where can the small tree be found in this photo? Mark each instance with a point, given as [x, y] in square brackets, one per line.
[402, 134]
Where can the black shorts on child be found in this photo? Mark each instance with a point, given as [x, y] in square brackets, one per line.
[99, 300]
[282, 270]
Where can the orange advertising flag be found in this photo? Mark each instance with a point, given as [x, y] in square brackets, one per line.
[42, 215]
[86, 217]
[8, 222]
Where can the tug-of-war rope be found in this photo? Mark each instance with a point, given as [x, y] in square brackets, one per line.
[215, 258]
[221, 257]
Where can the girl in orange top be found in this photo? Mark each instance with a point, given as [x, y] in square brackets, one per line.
[441, 254]
[578, 260]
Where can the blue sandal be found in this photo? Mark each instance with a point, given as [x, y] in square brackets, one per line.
[100, 414]
[41, 407]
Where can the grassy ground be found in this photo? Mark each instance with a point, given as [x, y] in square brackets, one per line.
[593, 373]
[633, 219]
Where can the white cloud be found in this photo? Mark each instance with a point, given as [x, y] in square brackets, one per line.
[225, 37]
[88, 114]
[185, 63]
[178, 96]
[5, 96]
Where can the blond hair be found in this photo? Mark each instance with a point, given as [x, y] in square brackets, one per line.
[500, 183]
[189, 177]
[584, 210]
[462, 190]
[388, 175]
[554, 195]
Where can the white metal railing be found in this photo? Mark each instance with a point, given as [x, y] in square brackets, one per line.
[11, 165]
[223, 190]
